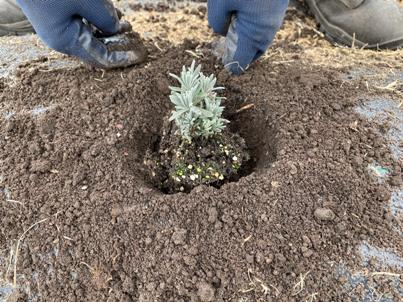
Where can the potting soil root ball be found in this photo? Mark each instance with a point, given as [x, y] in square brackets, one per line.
[180, 165]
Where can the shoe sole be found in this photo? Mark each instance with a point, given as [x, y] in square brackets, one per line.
[338, 36]
[18, 28]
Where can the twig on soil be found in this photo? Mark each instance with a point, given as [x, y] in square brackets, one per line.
[265, 289]
[279, 118]
[88, 266]
[17, 248]
[14, 201]
[301, 284]
[282, 62]
[311, 297]
[276, 289]
[193, 53]
[391, 86]
[68, 238]
[157, 46]
[385, 274]
[246, 107]
[246, 239]
[245, 291]
[355, 215]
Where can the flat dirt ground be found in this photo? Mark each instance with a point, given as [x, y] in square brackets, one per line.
[80, 221]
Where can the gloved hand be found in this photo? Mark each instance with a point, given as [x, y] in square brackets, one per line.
[68, 27]
[250, 27]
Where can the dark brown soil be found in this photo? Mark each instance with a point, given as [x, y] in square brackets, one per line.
[111, 236]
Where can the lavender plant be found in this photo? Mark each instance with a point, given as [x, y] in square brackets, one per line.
[198, 110]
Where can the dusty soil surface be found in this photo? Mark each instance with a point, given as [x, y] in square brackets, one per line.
[72, 148]
[110, 236]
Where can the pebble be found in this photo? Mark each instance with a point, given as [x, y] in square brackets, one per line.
[179, 236]
[205, 292]
[269, 259]
[293, 169]
[281, 258]
[336, 106]
[396, 181]
[316, 241]
[212, 215]
[306, 253]
[324, 214]
[307, 241]
[250, 259]
[259, 258]
[193, 251]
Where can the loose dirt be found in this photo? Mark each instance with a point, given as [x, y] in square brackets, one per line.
[110, 235]
[72, 152]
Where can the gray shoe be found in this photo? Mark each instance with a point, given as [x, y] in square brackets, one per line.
[13, 20]
[364, 23]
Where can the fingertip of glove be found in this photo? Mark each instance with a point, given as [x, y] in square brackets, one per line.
[234, 68]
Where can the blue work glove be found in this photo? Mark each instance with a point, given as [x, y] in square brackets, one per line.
[249, 27]
[68, 27]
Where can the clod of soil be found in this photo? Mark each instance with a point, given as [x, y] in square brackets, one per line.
[177, 165]
[129, 41]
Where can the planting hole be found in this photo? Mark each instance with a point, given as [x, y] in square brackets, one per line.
[205, 136]
[250, 126]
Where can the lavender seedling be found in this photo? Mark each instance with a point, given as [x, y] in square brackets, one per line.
[198, 110]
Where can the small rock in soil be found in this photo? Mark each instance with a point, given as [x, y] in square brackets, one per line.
[205, 292]
[306, 252]
[396, 181]
[179, 237]
[163, 86]
[336, 106]
[259, 257]
[249, 258]
[281, 258]
[212, 215]
[324, 214]
[293, 169]
[307, 241]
